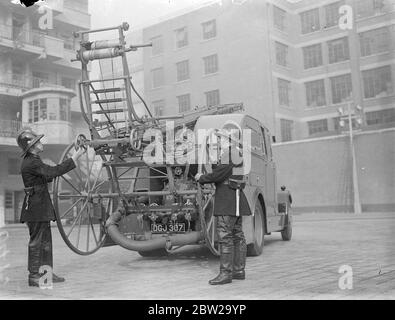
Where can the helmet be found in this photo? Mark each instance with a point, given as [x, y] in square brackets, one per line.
[26, 139]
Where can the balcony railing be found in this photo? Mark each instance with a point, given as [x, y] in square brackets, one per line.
[23, 82]
[35, 38]
[10, 128]
[22, 35]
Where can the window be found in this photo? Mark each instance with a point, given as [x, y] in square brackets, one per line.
[338, 50]
[263, 133]
[68, 83]
[375, 41]
[209, 29]
[157, 77]
[332, 15]
[281, 54]
[310, 21]
[256, 142]
[37, 110]
[312, 56]
[9, 199]
[184, 102]
[315, 93]
[377, 82]
[279, 18]
[367, 8]
[157, 45]
[212, 98]
[210, 64]
[380, 117]
[158, 107]
[182, 70]
[286, 129]
[14, 166]
[341, 88]
[284, 88]
[64, 109]
[181, 37]
[317, 126]
[40, 79]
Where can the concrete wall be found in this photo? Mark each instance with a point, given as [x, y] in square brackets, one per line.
[319, 173]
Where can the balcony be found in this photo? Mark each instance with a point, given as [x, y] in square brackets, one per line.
[32, 41]
[10, 128]
[8, 132]
[16, 84]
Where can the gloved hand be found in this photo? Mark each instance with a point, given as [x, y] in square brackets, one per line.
[197, 176]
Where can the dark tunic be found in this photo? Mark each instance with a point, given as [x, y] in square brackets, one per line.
[38, 174]
[225, 197]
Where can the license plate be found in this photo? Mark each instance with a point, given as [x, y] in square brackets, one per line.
[171, 227]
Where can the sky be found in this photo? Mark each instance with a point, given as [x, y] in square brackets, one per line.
[136, 12]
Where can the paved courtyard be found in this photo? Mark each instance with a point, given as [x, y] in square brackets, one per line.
[305, 268]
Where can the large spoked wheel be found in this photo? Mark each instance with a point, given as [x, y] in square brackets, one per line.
[286, 234]
[80, 216]
[208, 220]
[205, 200]
[256, 247]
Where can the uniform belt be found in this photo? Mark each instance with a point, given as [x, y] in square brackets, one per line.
[37, 186]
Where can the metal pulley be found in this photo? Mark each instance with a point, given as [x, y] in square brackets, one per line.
[135, 140]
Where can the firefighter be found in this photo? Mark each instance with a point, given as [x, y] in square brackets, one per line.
[37, 210]
[228, 194]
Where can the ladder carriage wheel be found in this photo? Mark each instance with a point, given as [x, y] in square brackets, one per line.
[205, 203]
[80, 217]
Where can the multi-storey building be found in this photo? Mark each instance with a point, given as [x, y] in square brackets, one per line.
[289, 62]
[38, 85]
[318, 67]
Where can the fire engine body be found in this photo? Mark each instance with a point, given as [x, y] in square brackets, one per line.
[116, 197]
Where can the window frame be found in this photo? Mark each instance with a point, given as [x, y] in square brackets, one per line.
[207, 35]
[179, 97]
[184, 73]
[305, 28]
[311, 88]
[345, 84]
[312, 58]
[185, 41]
[208, 65]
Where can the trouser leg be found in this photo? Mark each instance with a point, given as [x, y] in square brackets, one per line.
[240, 250]
[224, 228]
[34, 247]
[47, 256]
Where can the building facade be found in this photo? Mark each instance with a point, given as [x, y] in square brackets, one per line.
[38, 87]
[289, 62]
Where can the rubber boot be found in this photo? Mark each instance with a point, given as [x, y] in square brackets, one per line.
[225, 269]
[239, 261]
[56, 279]
[34, 280]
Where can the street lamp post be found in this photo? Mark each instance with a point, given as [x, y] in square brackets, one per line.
[359, 119]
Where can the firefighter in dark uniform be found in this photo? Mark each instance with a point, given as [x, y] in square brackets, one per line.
[37, 210]
[233, 247]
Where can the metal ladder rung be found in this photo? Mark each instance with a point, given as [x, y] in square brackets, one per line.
[106, 90]
[108, 111]
[101, 123]
[108, 101]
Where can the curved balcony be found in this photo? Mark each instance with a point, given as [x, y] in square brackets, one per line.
[47, 111]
